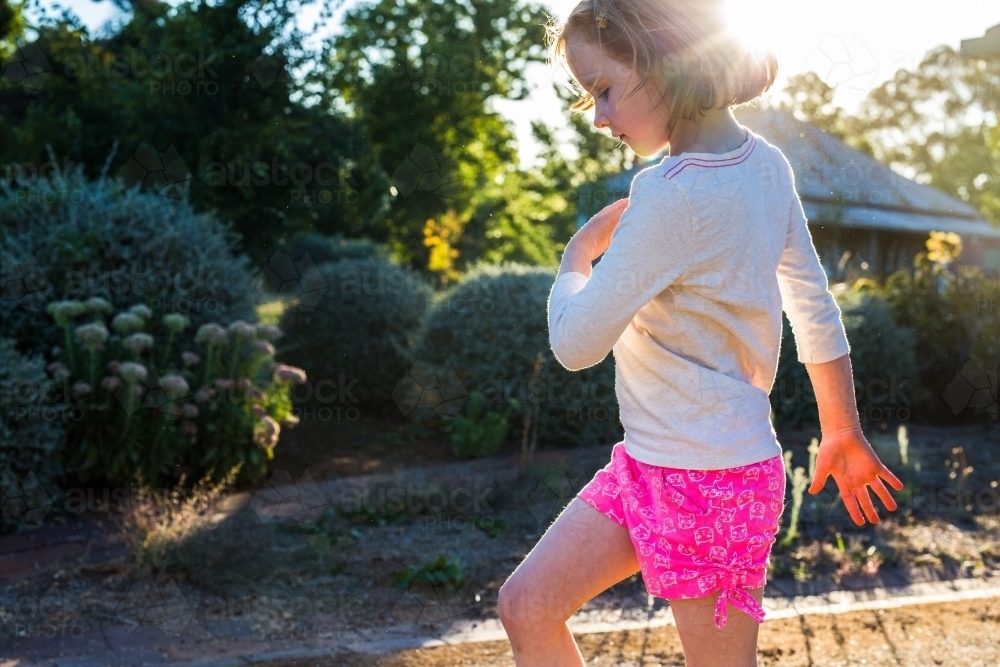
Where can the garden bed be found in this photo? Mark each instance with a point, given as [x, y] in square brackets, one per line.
[420, 547]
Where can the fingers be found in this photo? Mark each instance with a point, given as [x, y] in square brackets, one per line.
[894, 482]
[851, 503]
[883, 494]
[866, 504]
[819, 480]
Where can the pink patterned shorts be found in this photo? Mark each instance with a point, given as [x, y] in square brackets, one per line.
[695, 531]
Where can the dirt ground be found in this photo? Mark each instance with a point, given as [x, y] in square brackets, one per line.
[286, 579]
[958, 634]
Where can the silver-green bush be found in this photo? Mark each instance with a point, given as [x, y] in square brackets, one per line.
[490, 328]
[67, 238]
[882, 357]
[31, 431]
[355, 341]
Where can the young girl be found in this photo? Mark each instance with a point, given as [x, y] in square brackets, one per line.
[698, 263]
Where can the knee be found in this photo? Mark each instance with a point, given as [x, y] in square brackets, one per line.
[522, 608]
[511, 603]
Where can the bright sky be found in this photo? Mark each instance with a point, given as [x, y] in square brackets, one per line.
[853, 45]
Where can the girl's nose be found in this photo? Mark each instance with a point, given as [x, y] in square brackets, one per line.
[600, 119]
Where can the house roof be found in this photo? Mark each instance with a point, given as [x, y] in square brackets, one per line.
[987, 46]
[839, 185]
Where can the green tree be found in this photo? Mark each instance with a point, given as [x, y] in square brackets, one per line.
[938, 123]
[418, 76]
[586, 157]
[211, 81]
[810, 99]
[11, 26]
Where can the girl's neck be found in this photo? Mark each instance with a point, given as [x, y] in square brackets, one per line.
[715, 132]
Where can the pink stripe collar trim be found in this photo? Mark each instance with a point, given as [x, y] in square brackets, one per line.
[712, 163]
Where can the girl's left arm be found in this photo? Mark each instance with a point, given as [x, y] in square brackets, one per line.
[644, 253]
[844, 452]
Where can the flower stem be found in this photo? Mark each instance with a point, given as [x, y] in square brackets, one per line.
[166, 350]
[69, 348]
[209, 361]
[93, 369]
[236, 356]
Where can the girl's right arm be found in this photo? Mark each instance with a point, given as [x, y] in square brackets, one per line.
[649, 249]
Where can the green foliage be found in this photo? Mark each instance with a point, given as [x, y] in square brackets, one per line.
[440, 572]
[68, 238]
[798, 483]
[11, 26]
[479, 431]
[943, 308]
[355, 342]
[324, 249]
[418, 76]
[882, 355]
[810, 99]
[882, 358]
[490, 327]
[209, 80]
[930, 120]
[31, 428]
[144, 411]
[793, 401]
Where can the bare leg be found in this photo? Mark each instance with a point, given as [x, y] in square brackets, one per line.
[707, 646]
[581, 554]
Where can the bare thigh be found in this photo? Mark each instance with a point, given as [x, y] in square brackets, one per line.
[707, 646]
[581, 554]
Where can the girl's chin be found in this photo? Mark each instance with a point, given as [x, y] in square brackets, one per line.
[641, 149]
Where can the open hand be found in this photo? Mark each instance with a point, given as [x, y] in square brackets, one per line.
[597, 232]
[855, 467]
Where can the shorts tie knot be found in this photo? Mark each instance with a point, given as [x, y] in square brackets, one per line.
[731, 590]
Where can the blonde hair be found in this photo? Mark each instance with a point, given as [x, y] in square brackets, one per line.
[682, 46]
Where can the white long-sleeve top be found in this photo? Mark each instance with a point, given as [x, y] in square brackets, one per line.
[689, 295]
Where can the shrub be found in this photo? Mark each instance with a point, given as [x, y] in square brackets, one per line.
[355, 342]
[882, 357]
[440, 572]
[793, 402]
[31, 431]
[946, 310]
[479, 431]
[489, 329]
[151, 408]
[323, 249]
[66, 238]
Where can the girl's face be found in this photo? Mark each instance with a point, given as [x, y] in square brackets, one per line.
[639, 121]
